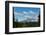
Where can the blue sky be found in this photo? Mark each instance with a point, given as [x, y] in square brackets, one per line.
[22, 13]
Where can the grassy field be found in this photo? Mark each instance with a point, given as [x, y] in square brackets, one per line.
[26, 24]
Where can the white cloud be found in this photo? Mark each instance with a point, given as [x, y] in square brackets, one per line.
[31, 12]
[26, 15]
[24, 12]
[17, 13]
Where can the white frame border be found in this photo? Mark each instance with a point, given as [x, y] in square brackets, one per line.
[11, 29]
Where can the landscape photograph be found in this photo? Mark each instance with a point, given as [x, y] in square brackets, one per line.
[26, 17]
